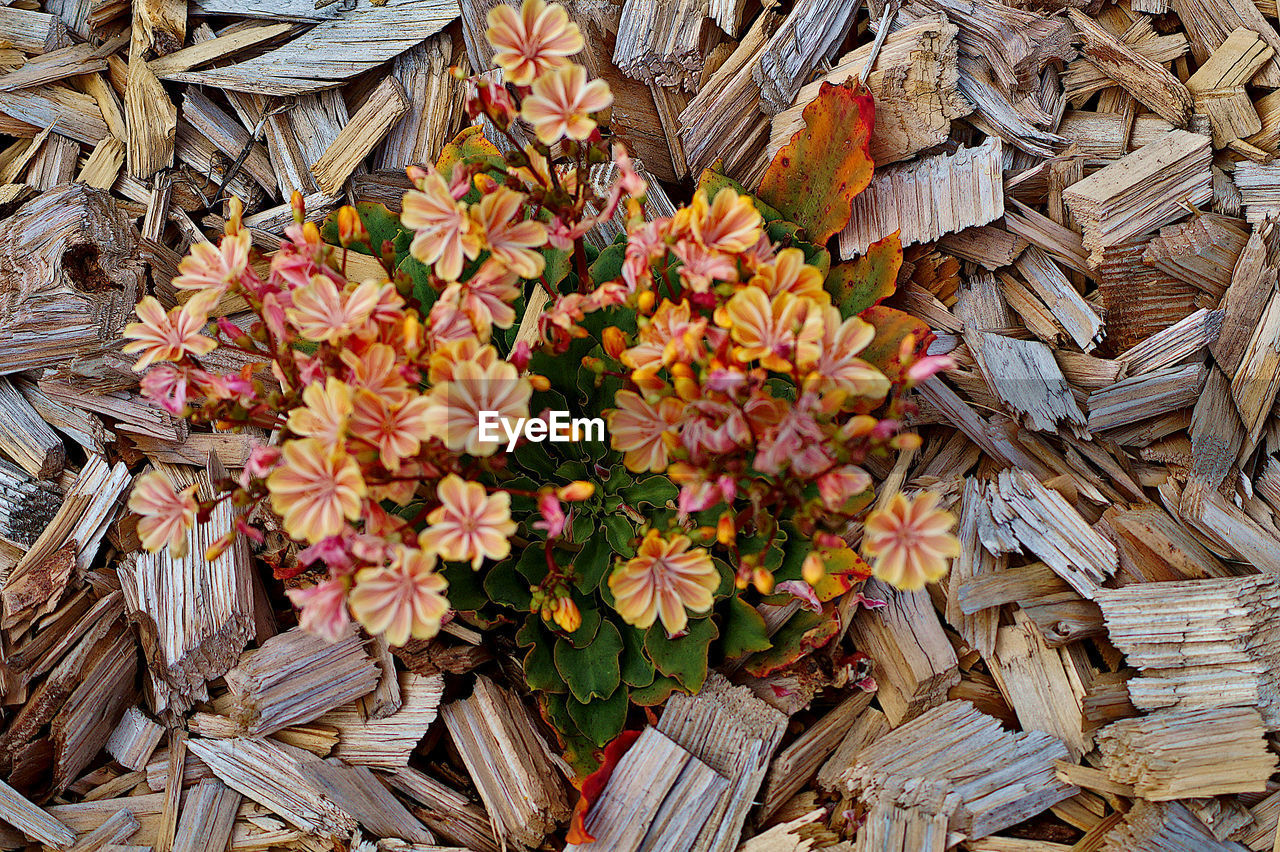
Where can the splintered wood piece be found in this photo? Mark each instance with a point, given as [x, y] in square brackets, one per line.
[1034, 682]
[509, 763]
[296, 677]
[208, 817]
[1147, 396]
[26, 438]
[34, 822]
[27, 505]
[322, 57]
[1181, 754]
[796, 764]
[118, 828]
[1259, 186]
[445, 811]
[1142, 191]
[1257, 379]
[270, 773]
[1201, 251]
[734, 733]
[173, 793]
[1218, 86]
[1209, 23]
[1154, 547]
[205, 52]
[359, 792]
[216, 129]
[30, 31]
[931, 758]
[1162, 825]
[1084, 78]
[195, 616]
[296, 139]
[70, 275]
[977, 627]
[435, 102]
[915, 664]
[150, 116]
[389, 741]
[1016, 43]
[805, 40]
[75, 114]
[103, 165]
[868, 728]
[928, 198]
[1025, 376]
[658, 797]
[661, 43]
[1149, 82]
[1174, 344]
[385, 106]
[134, 739]
[1223, 652]
[1041, 520]
[1103, 137]
[1252, 281]
[988, 246]
[56, 65]
[915, 85]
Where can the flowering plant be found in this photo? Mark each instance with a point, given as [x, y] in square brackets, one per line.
[744, 379]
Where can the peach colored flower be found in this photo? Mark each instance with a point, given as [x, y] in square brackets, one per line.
[166, 515]
[456, 404]
[790, 274]
[315, 489]
[730, 223]
[322, 313]
[777, 331]
[510, 242]
[322, 608]
[324, 413]
[838, 369]
[661, 580]
[167, 337]
[376, 370]
[470, 524]
[449, 355]
[486, 297]
[671, 335]
[533, 41]
[642, 431]
[403, 600]
[212, 269]
[910, 541]
[562, 103]
[443, 233]
[395, 428]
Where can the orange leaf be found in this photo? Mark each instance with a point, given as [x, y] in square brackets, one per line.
[815, 176]
[594, 785]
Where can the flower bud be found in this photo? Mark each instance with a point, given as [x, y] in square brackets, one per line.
[539, 383]
[595, 365]
[906, 441]
[576, 491]
[645, 302]
[351, 231]
[726, 530]
[219, 546]
[763, 581]
[237, 335]
[615, 342]
[298, 206]
[567, 615]
[813, 569]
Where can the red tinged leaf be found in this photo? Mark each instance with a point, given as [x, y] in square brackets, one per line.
[815, 176]
[892, 327]
[593, 785]
[860, 284]
[469, 146]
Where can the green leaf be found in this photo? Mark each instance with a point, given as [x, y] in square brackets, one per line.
[814, 177]
[592, 563]
[420, 274]
[590, 627]
[637, 669]
[466, 587]
[608, 265]
[471, 146]
[579, 752]
[655, 693]
[744, 629]
[869, 280]
[602, 719]
[593, 671]
[380, 222]
[713, 180]
[655, 490]
[684, 659]
[506, 586]
[539, 665]
[619, 532]
[804, 632]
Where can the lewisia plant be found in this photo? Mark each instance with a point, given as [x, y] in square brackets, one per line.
[744, 380]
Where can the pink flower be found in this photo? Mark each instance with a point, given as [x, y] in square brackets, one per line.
[456, 405]
[323, 314]
[322, 609]
[910, 541]
[533, 41]
[562, 103]
[168, 337]
[665, 577]
[444, 234]
[166, 515]
[642, 431]
[403, 600]
[166, 385]
[470, 524]
[510, 238]
[839, 485]
[553, 518]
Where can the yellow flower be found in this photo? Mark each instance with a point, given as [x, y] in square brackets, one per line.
[166, 516]
[212, 269]
[790, 274]
[910, 541]
[456, 404]
[470, 524]
[661, 580]
[449, 355]
[562, 103]
[395, 428]
[315, 489]
[510, 242]
[838, 372]
[443, 233]
[326, 409]
[641, 431]
[730, 224]
[403, 600]
[322, 313]
[168, 337]
[779, 332]
[528, 43]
